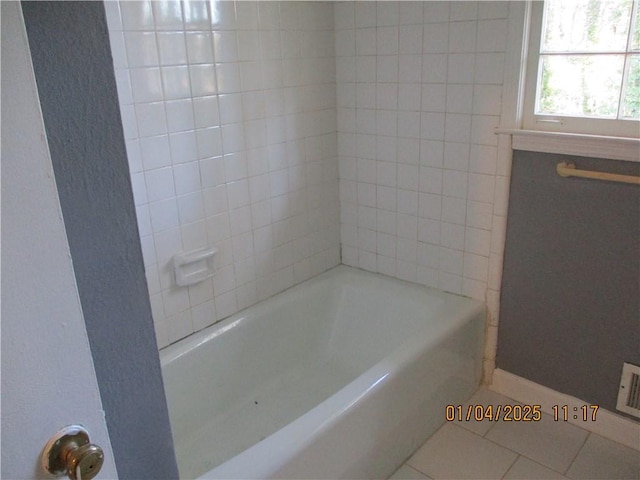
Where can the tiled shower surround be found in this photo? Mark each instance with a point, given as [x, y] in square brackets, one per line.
[423, 194]
[419, 95]
[229, 113]
[295, 135]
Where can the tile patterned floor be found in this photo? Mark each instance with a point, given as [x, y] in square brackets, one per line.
[518, 451]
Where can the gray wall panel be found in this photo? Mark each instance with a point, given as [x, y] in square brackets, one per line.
[570, 308]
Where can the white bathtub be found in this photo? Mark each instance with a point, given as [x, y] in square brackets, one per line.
[343, 376]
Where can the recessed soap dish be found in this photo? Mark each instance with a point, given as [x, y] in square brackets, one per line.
[193, 267]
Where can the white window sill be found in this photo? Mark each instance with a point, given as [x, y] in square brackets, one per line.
[614, 148]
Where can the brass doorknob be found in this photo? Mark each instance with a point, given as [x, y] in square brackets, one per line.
[70, 453]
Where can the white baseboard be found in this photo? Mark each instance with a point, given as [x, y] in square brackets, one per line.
[606, 424]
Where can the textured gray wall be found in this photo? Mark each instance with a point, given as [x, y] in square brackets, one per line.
[570, 307]
[72, 61]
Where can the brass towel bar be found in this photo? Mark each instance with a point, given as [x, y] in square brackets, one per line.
[565, 169]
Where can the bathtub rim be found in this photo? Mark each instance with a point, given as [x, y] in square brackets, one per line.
[185, 345]
[304, 430]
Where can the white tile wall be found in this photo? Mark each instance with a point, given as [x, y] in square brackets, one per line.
[229, 114]
[419, 88]
[416, 117]
[234, 115]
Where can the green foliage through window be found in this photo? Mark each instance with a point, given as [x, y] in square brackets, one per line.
[590, 59]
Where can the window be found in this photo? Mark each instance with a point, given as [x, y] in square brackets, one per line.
[583, 73]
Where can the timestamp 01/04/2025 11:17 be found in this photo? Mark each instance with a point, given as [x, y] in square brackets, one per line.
[519, 413]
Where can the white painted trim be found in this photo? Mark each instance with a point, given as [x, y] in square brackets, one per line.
[597, 146]
[515, 65]
[510, 116]
[607, 424]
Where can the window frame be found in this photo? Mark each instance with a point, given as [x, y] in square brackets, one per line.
[560, 123]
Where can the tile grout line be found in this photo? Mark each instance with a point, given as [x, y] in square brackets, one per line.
[484, 436]
[416, 470]
[422, 445]
[577, 453]
[520, 454]
[510, 466]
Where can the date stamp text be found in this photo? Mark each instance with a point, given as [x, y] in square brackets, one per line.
[493, 413]
[518, 413]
